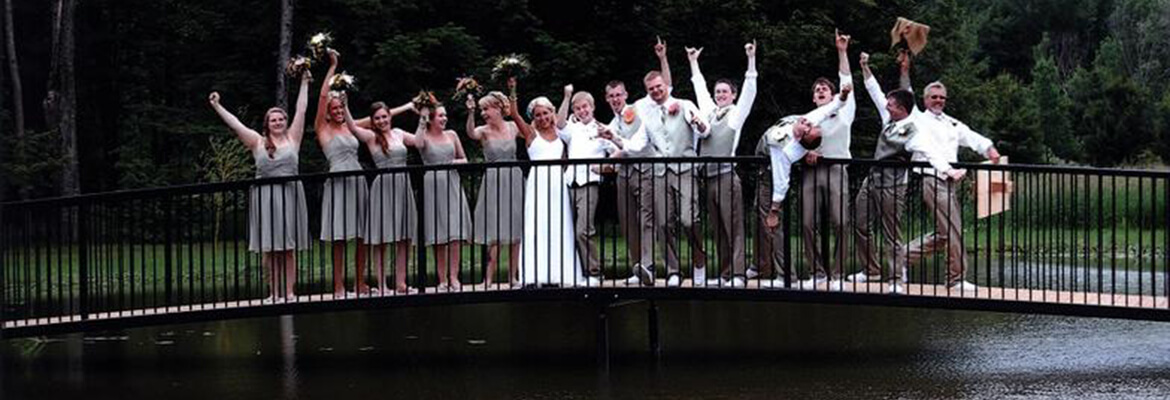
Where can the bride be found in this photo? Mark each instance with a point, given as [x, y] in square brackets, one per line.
[547, 252]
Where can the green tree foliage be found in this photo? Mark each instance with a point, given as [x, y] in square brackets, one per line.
[1095, 78]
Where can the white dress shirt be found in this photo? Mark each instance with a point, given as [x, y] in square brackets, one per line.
[922, 146]
[583, 143]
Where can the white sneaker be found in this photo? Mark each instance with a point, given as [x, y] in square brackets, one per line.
[963, 286]
[593, 281]
[862, 277]
[836, 285]
[752, 273]
[739, 282]
[673, 281]
[897, 288]
[633, 280]
[700, 277]
[774, 283]
[811, 283]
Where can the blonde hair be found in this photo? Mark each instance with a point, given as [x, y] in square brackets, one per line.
[583, 96]
[539, 102]
[496, 99]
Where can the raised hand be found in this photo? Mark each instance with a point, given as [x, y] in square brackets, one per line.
[660, 47]
[693, 53]
[333, 57]
[750, 49]
[569, 90]
[470, 102]
[864, 60]
[512, 87]
[904, 60]
[845, 90]
[213, 98]
[842, 40]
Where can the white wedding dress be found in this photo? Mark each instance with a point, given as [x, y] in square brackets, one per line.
[547, 250]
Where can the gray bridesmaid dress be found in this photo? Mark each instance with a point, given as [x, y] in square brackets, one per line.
[277, 213]
[446, 217]
[499, 208]
[392, 208]
[344, 200]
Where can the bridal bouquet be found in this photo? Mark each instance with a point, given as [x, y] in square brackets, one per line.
[343, 82]
[319, 45]
[512, 65]
[424, 100]
[465, 86]
[297, 66]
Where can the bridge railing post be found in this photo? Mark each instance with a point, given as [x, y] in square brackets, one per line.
[83, 238]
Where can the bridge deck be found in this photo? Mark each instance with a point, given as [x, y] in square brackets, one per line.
[918, 291]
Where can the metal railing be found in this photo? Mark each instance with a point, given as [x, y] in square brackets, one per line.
[1079, 236]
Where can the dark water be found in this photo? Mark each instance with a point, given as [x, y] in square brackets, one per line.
[546, 351]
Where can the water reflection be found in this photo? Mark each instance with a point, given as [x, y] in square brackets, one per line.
[710, 350]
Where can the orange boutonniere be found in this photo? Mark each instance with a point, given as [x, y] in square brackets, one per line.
[628, 115]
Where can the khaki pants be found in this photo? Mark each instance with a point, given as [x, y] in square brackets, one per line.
[769, 243]
[941, 198]
[584, 199]
[636, 213]
[824, 186]
[888, 203]
[676, 208]
[725, 208]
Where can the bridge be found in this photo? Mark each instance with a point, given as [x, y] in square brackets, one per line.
[1065, 241]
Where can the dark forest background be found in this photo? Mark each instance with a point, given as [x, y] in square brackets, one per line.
[123, 84]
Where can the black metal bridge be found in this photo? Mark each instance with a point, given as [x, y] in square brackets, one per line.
[1067, 241]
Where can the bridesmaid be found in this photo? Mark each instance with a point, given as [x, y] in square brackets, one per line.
[278, 223]
[343, 203]
[446, 219]
[499, 209]
[391, 209]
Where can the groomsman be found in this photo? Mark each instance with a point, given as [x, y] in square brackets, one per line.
[723, 189]
[581, 132]
[883, 192]
[672, 126]
[785, 144]
[634, 186]
[827, 186]
[938, 193]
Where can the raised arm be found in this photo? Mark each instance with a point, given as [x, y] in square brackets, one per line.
[845, 77]
[323, 98]
[663, 63]
[875, 89]
[522, 126]
[363, 134]
[246, 135]
[904, 71]
[296, 131]
[420, 138]
[563, 110]
[702, 94]
[747, 96]
[472, 133]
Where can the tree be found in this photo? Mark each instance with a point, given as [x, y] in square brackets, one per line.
[1052, 106]
[284, 53]
[61, 98]
[13, 70]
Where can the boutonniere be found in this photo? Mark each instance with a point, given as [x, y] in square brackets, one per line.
[673, 108]
[628, 115]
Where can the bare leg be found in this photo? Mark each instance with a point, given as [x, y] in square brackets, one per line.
[440, 251]
[359, 279]
[338, 268]
[380, 263]
[453, 267]
[514, 267]
[269, 273]
[493, 264]
[401, 255]
[290, 274]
